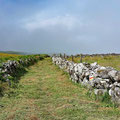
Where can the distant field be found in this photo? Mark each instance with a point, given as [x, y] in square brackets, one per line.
[8, 55]
[14, 52]
[113, 61]
[4, 57]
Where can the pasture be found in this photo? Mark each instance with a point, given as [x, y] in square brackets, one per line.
[109, 60]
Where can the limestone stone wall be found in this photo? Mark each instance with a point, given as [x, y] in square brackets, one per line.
[101, 79]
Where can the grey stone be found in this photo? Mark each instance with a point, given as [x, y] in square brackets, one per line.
[85, 82]
[104, 78]
[103, 73]
[117, 77]
[100, 91]
[112, 74]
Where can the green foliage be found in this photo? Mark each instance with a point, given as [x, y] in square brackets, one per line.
[23, 62]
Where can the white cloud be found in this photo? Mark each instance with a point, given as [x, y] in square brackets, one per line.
[37, 22]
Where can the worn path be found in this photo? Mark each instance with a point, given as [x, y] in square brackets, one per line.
[46, 93]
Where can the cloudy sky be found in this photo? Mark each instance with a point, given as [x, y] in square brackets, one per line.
[60, 26]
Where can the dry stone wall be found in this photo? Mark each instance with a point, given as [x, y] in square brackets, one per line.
[101, 79]
[12, 68]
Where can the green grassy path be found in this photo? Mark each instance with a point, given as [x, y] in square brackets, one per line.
[46, 93]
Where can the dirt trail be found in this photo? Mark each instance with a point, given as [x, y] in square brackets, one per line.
[46, 93]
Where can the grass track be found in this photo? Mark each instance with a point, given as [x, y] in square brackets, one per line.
[46, 93]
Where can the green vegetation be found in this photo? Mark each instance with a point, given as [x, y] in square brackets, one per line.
[12, 70]
[110, 60]
[5, 57]
[46, 93]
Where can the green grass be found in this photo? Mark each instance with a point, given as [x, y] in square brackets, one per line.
[46, 93]
[113, 61]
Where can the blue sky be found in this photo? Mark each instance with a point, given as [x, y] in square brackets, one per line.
[60, 26]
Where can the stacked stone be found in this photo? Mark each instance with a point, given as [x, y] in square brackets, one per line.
[10, 68]
[101, 79]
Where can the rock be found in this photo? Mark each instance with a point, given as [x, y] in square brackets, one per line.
[82, 76]
[76, 79]
[117, 77]
[104, 84]
[117, 84]
[114, 92]
[103, 73]
[87, 65]
[100, 91]
[94, 64]
[111, 92]
[87, 73]
[112, 74]
[107, 80]
[85, 82]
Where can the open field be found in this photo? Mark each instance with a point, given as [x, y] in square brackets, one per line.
[46, 93]
[4, 57]
[113, 61]
[8, 55]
